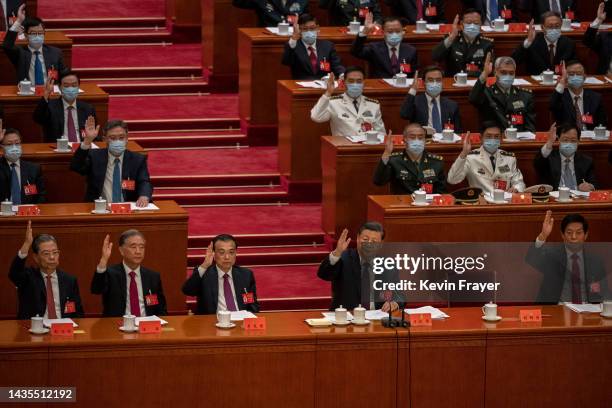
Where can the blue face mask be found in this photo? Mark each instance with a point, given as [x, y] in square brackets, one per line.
[12, 152]
[354, 90]
[575, 81]
[552, 35]
[416, 146]
[309, 37]
[70, 93]
[471, 31]
[36, 41]
[116, 147]
[491, 145]
[567, 149]
[505, 81]
[393, 39]
[433, 88]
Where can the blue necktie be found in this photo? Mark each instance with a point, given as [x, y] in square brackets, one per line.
[15, 186]
[39, 76]
[117, 183]
[435, 116]
[493, 10]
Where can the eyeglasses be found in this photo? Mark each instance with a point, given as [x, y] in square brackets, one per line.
[50, 254]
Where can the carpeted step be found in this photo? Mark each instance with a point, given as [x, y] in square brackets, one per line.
[75, 22]
[224, 196]
[275, 255]
[139, 86]
[189, 138]
[106, 35]
[223, 180]
[267, 239]
[111, 10]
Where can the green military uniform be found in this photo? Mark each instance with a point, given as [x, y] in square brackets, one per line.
[407, 176]
[513, 108]
[461, 55]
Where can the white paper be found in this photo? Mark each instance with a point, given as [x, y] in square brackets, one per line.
[375, 314]
[582, 194]
[602, 26]
[319, 84]
[593, 81]
[469, 83]
[584, 308]
[357, 138]
[590, 134]
[437, 137]
[609, 79]
[507, 196]
[149, 207]
[432, 27]
[521, 81]
[56, 89]
[391, 81]
[331, 316]
[435, 312]
[489, 29]
[150, 319]
[538, 27]
[240, 315]
[525, 136]
[539, 78]
[49, 322]
[274, 30]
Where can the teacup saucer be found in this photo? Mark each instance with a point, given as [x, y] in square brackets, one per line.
[346, 323]
[26, 93]
[367, 142]
[425, 204]
[495, 319]
[362, 323]
[123, 329]
[62, 150]
[44, 331]
[605, 315]
[568, 200]
[100, 212]
[230, 326]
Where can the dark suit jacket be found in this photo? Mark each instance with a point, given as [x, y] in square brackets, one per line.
[21, 57]
[562, 107]
[407, 9]
[272, 12]
[341, 14]
[481, 7]
[415, 109]
[551, 261]
[539, 7]
[298, 60]
[50, 115]
[206, 288]
[601, 43]
[32, 292]
[536, 57]
[549, 168]
[30, 173]
[377, 55]
[93, 162]
[112, 285]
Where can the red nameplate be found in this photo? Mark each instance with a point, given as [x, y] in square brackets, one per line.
[541, 137]
[558, 69]
[366, 126]
[420, 320]
[292, 19]
[248, 298]
[62, 329]
[39, 90]
[69, 307]
[149, 327]
[363, 12]
[75, 146]
[506, 14]
[398, 140]
[428, 187]
[28, 210]
[257, 323]
[405, 68]
[491, 81]
[570, 14]
[30, 189]
[599, 196]
[443, 200]
[446, 28]
[517, 27]
[474, 137]
[151, 299]
[517, 119]
[531, 315]
[324, 66]
[500, 184]
[52, 74]
[588, 119]
[521, 198]
[120, 208]
[128, 185]
[472, 67]
[431, 11]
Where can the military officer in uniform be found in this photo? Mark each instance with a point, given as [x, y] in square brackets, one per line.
[350, 113]
[464, 50]
[503, 102]
[272, 12]
[487, 167]
[412, 169]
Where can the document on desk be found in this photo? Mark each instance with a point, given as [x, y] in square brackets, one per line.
[150, 319]
[435, 312]
[240, 315]
[521, 81]
[525, 136]
[49, 322]
[315, 84]
[149, 207]
[375, 314]
[584, 308]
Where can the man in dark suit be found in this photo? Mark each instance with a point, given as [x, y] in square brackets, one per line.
[8, 12]
[35, 62]
[128, 288]
[20, 181]
[45, 290]
[600, 41]
[63, 116]
[545, 51]
[561, 7]
[506, 9]
[429, 108]
[570, 272]
[272, 12]
[308, 57]
[389, 57]
[351, 273]
[219, 283]
[572, 103]
[465, 50]
[114, 173]
[432, 11]
[342, 12]
[565, 166]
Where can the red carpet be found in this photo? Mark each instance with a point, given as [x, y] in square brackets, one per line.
[58, 9]
[290, 281]
[183, 55]
[174, 107]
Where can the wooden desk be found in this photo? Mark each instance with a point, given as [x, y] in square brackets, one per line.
[460, 362]
[53, 38]
[298, 135]
[80, 235]
[348, 169]
[260, 66]
[63, 185]
[18, 110]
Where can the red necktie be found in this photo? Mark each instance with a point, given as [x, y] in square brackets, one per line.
[394, 61]
[578, 113]
[419, 4]
[72, 134]
[576, 281]
[227, 292]
[134, 303]
[313, 59]
[551, 55]
[50, 300]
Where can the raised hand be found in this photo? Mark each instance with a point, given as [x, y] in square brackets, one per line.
[531, 32]
[393, 306]
[331, 84]
[297, 34]
[90, 133]
[487, 68]
[455, 31]
[342, 244]
[48, 88]
[415, 82]
[563, 77]
[27, 242]
[547, 226]
[552, 135]
[21, 13]
[209, 257]
[368, 26]
[601, 12]
[107, 249]
[388, 144]
[467, 146]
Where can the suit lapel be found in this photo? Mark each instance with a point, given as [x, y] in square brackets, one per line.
[239, 285]
[58, 107]
[125, 170]
[63, 290]
[145, 279]
[122, 285]
[356, 263]
[383, 53]
[214, 275]
[421, 101]
[302, 53]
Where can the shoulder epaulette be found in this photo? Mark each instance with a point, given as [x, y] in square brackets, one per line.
[488, 38]
[505, 153]
[335, 97]
[435, 157]
[397, 153]
[371, 100]
[476, 151]
[524, 89]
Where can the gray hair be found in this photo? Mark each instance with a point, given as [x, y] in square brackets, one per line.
[125, 235]
[41, 239]
[115, 123]
[504, 61]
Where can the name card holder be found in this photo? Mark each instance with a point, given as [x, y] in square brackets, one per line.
[257, 323]
[152, 327]
[120, 208]
[62, 329]
[420, 320]
[531, 315]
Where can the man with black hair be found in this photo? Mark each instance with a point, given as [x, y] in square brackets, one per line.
[35, 62]
[571, 274]
[128, 288]
[44, 290]
[219, 283]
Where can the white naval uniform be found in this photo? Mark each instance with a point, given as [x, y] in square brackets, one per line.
[344, 119]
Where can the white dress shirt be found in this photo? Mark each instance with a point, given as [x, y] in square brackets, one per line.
[107, 189]
[221, 305]
[137, 278]
[75, 118]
